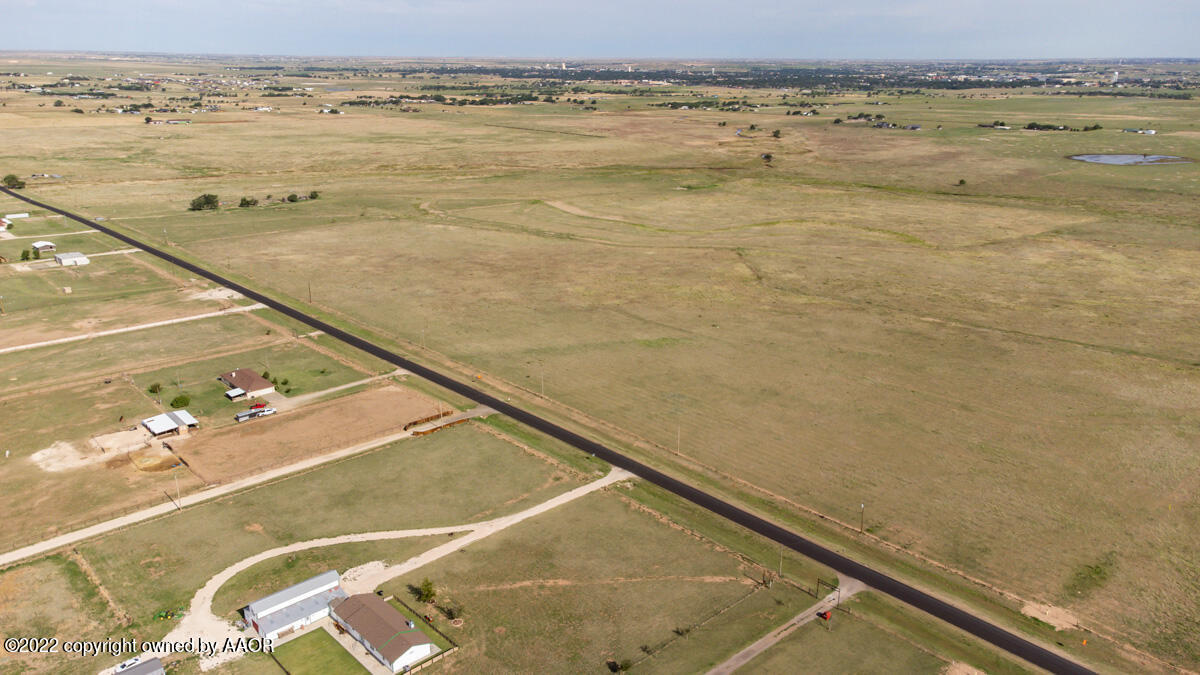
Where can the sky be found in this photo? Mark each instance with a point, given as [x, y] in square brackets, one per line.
[753, 29]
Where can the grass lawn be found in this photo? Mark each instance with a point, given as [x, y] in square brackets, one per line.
[317, 653]
[452, 477]
[599, 579]
[304, 369]
[53, 598]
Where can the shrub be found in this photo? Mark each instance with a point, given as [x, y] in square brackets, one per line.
[266, 374]
[314, 194]
[77, 110]
[775, 134]
[203, 202]
[25, 254]
[962, 181]
[154, 388]
[837, 120]
[293, 197]
[181, 401]
[284, 381]
[12, 182]
[37, 255]
[247, 201]
[59, 104]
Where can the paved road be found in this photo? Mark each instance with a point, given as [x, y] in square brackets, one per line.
[1008, 641]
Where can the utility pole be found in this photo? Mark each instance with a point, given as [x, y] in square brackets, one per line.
[310, 292]
[862, 517]
[1, 305]
[543, 380]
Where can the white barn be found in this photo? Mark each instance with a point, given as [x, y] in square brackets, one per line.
[296, 606]
[170, 422]
[72, 259]
[43, 246]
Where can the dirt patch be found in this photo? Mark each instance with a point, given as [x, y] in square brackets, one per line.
[256, 445]
[155, 458]
[576, 211]
[64, 456]
[960, 668]
[219, 293]
[257, 528]
[122, 441]
[1058, 617]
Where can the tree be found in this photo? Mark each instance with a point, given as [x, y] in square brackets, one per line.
[149, 119]
[775, 134]
[59, 104]
[181, 401]
[12, 182]
[426, 592]
[962, 181]
[293, 197]
[247, 201]
[314, 194]
[37, 255]
[25, 254]
[837, 120]
[77, 110]
[155, 388]
[266, 375]
[203, 202]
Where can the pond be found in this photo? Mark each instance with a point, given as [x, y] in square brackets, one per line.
[1131, 160]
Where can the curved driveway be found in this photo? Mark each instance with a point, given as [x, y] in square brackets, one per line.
[1006, 640]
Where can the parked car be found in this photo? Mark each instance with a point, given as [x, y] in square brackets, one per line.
[258, 406]
[126, 665]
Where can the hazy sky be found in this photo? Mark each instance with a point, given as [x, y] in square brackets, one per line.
[613, 28]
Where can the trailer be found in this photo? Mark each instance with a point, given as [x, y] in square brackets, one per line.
[251, 414]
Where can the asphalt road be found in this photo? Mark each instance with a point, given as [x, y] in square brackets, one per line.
[1009, 642]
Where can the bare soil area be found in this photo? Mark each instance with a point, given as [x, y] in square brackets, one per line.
[285, 438]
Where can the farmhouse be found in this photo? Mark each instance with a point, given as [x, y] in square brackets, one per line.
[249, 382]
[72, 259]
[44, 246]
[295, 607]
[385, 632]
[171, 422]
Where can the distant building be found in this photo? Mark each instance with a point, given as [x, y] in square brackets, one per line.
[251, 383]
[72, 259]
[296, 606]
[44, 246]
[386, 633]
[171, 422]
[14, 216]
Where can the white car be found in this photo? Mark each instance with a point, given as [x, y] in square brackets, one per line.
[126, 665]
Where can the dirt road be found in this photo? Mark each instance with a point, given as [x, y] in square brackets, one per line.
[846, 588]
[199, 621]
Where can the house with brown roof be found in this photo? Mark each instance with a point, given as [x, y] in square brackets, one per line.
[386, 633]
[246, 382]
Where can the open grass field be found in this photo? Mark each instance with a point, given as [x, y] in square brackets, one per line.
[53, 598]
[987, 344]
[600, 579]
[453, 477]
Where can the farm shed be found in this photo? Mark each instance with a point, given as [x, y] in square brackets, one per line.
[72, 259]
[44, 246]
[384, 631]
[250, 382]
[14, 216]
[170, 422]
[296, 606]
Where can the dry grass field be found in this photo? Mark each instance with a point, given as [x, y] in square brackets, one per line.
[989, 345]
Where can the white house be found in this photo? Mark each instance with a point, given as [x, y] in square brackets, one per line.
[386, 633]
[296, 606]
[43, 246]
[72, 259]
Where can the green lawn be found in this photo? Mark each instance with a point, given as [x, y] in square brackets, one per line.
[452, 477]
[317, 653]
[305, 370]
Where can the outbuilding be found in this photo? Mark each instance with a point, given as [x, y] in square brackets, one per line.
[14, 216]
[172, 422]
[72, 259]
[386, 633]
[44, 246]
[296, 606]
[251, 383]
